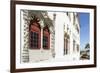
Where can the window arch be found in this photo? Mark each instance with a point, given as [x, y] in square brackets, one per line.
[46, 38]
[35, 35]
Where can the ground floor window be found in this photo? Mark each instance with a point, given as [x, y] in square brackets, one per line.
[37, 37]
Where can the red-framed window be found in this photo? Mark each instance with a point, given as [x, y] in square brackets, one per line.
[46, 38]
[35, 36]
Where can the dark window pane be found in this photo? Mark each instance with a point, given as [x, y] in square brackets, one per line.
[45, 42]
[34, 39]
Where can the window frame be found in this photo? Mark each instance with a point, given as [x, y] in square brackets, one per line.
[35, 27]
[46, 33]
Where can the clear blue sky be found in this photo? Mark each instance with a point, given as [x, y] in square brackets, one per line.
[84, 29]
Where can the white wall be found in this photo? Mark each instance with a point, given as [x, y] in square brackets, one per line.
[5, 37]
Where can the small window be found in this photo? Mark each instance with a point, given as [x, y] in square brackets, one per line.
[66, 46]
[67, 13]
[78, 48]
[73, 45]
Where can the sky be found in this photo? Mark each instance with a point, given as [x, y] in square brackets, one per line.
[84, 29]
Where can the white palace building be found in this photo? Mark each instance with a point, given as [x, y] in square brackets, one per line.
[49, 36]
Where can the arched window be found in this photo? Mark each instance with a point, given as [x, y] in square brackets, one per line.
[35, 35]
[46, 38]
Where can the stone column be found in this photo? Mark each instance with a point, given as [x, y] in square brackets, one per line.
[53, 36]
[42, 25]
[52, 41]
[41, 38]
[25, 35]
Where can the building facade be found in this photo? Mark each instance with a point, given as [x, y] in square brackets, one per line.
[72, 36]
[49, 35]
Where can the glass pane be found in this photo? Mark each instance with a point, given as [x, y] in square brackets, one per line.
[34, 39]
[45, 42]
